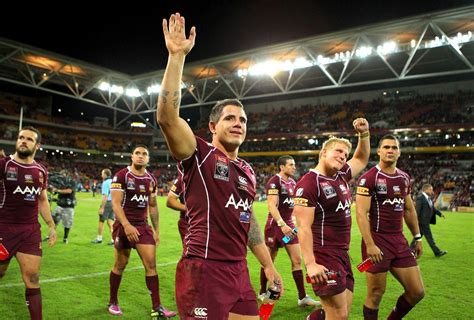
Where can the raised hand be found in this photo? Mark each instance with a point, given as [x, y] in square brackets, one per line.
[175, 35]
[361, 125]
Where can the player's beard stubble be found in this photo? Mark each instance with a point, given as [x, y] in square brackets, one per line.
[24, 152]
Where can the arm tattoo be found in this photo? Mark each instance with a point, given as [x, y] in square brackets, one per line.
[255, 236]
[176, 100]
[164, 94]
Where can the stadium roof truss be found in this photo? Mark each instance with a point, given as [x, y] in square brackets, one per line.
[430, 45]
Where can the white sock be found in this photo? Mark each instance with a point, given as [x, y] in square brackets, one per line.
[99, 238]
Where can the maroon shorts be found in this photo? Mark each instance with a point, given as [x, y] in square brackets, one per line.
[182, 227]
[24, 238]
[209, 289]
[274, 236]
[334, 260]
[396, 252]
[121, 241]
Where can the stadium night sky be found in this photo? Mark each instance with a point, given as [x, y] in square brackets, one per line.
[128, 36]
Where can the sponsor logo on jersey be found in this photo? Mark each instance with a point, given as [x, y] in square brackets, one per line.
[173, 188]
[272, 191]
[244, 217]
[291, 191]
[300, 202]
[12, 173]
[242, 183]
[28, 178]
[396, 190]
[343, 205]
[115, 186]
[28, 190]
[328, 190]
[363, 191]
[114, 179]
[242, 204]
[299, 192]
[200, 313]
[394, 201]
[362, 182]
[221, 171]
[142, 188]
[343, 189]
[283, 190]
[130, 184]
[381, 186]
[289, 201]
[139, 198]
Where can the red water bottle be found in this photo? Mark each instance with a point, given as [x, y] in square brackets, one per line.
[364, 265]
[332, 275]
[271, 296]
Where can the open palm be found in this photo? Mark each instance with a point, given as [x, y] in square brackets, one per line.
[175, 36]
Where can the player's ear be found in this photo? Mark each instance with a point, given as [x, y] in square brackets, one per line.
[212, 127]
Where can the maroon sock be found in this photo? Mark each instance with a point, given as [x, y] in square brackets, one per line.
[401, 309]
[317, 315]
[370, 314]
[299, 281]
[33, 301]
[152, 283]
[114, 281]
[263, 281]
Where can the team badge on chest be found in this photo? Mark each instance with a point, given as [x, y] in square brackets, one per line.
[328, 190]
[221, 171]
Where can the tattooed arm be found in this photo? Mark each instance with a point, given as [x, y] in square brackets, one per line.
[260, 251]
[179, 136]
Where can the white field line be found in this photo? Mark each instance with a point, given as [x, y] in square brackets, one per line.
[82, 276]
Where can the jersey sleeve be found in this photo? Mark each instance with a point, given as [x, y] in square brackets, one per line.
[273, 186]
[365, 184]
[306, 192]
[118, 182]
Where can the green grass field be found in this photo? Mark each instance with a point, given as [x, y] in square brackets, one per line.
[74, 277]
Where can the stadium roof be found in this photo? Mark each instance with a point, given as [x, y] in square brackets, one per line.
[432, 45]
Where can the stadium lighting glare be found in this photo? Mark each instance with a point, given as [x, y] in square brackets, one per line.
[363, 52]
[104, 86]
[272, 67]
[59, 110]
[133, 92]
[137, 124]
[88, 153]
[71, 152]
[57, 150]
[387, 48]
[153, 89]
[458, 136]
[147, 119]
[46, 151]
[412, 43]
[116, 89]
[311, 141]
[82, 113]
[467, 145]
[446, 137]
[52, 153]
[105, 155]
[121, 156]
[41, 149]
[61, 153]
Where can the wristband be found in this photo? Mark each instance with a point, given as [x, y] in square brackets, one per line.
[281, 223]
[364, 134]
[418, 237]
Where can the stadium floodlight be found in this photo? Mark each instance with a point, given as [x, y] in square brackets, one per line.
[104, 86]
[363, 52]
[412, 43]
[116, 89]
[387, 48]
[137, 124]
[272, 67]
[133, 92]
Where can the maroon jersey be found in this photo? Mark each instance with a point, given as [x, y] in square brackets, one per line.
[20, 188]
[177, 190]
[331, 199]
[137, 190]
[285, 190]
[218, 193]
[388, 192]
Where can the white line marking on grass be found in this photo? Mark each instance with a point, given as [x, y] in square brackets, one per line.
[82, 276]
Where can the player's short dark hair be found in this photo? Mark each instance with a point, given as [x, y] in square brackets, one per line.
[388, 137]
[216, 111]
[282, 160]
[30, 128]
[140, 146]
[107, 172]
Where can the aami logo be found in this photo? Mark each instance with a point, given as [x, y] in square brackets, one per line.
[28, 190]
[200, 313]
[245, 205]
[140, 198]
[394, 201]
[289, 201]
[343, 206]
